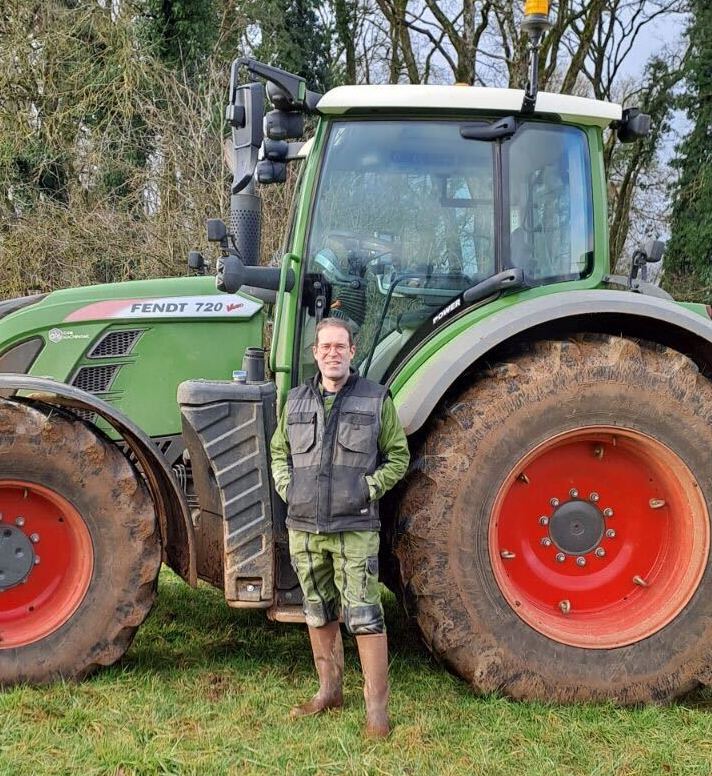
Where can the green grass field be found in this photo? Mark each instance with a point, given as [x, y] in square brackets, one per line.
[206, 690]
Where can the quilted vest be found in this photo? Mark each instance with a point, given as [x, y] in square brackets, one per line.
[328, 491]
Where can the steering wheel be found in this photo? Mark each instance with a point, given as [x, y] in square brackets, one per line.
[361, 250]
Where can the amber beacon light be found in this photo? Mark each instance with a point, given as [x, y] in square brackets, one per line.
[538, 7]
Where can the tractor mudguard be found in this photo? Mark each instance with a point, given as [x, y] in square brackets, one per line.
[176, 528]
[668, 323]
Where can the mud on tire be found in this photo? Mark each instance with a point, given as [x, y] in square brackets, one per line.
[72, 501]
[445, 548]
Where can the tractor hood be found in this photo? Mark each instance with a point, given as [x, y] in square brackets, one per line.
[132, 343]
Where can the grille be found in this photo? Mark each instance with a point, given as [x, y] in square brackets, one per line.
[115, 343]
[95, 379]
[87, 415]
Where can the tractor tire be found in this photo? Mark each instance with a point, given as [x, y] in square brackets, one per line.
[79, 547]
[554, 537]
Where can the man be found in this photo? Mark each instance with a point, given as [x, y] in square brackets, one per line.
[338, 448]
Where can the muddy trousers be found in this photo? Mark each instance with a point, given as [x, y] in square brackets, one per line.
[338, 572]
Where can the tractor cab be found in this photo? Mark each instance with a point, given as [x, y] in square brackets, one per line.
[409, 214]
[415, 204]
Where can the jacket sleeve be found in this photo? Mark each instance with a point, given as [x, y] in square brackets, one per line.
[281, 457]
[393, 446]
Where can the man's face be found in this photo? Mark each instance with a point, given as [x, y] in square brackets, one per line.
[333, 353]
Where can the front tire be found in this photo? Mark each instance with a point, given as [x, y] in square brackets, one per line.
[79, 547]
[555, 541]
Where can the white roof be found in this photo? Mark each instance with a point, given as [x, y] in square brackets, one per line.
[386, 97]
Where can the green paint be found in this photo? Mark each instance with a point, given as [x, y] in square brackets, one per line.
[168, 351]
[284, 338]
[172, 350]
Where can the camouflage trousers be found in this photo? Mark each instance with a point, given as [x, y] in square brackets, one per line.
[339, 572]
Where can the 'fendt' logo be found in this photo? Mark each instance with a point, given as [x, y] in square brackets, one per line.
[447, 310]
[213, 306]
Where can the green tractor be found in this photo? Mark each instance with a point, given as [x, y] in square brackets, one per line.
[552, 539]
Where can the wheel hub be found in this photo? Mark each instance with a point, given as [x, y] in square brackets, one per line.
[625, 537]
[16, 556]
[46, 562]
[576, 527]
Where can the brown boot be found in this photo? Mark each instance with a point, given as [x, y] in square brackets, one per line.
[328, 652]
[373, 651]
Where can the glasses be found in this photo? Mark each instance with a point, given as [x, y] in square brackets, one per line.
[324, 348]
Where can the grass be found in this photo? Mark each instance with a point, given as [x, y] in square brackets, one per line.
[206, 690]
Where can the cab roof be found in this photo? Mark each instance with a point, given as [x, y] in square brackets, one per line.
[396, 97]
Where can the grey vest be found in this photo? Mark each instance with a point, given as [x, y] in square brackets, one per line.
[328, 491]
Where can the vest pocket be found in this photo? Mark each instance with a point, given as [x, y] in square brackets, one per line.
[301, 431]
[356, 431]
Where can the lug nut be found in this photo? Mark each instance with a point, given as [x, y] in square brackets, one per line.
[34, 538]
[593, 497]
[598, 451]
[546, 541]
[523, 478]
[608, 512]
[506, 554]
[657, 503]
[565, 606]
[554, 502]
[37, 560]
[580, 561]
[560, 557]
[543, 520]
[600, 552]
[638, 580]
[610, 533]
[20, 520]
[573, 493]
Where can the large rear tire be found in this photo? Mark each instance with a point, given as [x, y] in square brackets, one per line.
[554, 540]
[79, 547]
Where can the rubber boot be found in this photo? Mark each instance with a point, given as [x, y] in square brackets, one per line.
[328, 652]
[373, 651]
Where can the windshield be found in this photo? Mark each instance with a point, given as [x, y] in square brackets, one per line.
[409, 214]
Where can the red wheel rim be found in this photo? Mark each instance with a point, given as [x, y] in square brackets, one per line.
[43, 523]
[638, 510]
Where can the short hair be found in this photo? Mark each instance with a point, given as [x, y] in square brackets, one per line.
[334, 323]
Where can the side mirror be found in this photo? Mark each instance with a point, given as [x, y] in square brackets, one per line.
[650, 253]
[633, 126]
[654, 250]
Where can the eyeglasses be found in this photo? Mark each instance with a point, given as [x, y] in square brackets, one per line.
[324, 348]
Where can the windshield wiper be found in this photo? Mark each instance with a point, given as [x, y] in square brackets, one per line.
[502, 281]
[396, 280]
[505, 127]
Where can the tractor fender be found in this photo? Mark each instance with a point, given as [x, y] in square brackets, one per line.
[433, 377]
[176, 527]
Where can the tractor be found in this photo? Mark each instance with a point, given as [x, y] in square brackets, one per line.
[552, 537]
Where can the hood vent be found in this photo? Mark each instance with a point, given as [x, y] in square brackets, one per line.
[115, 343]
[96, 379]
